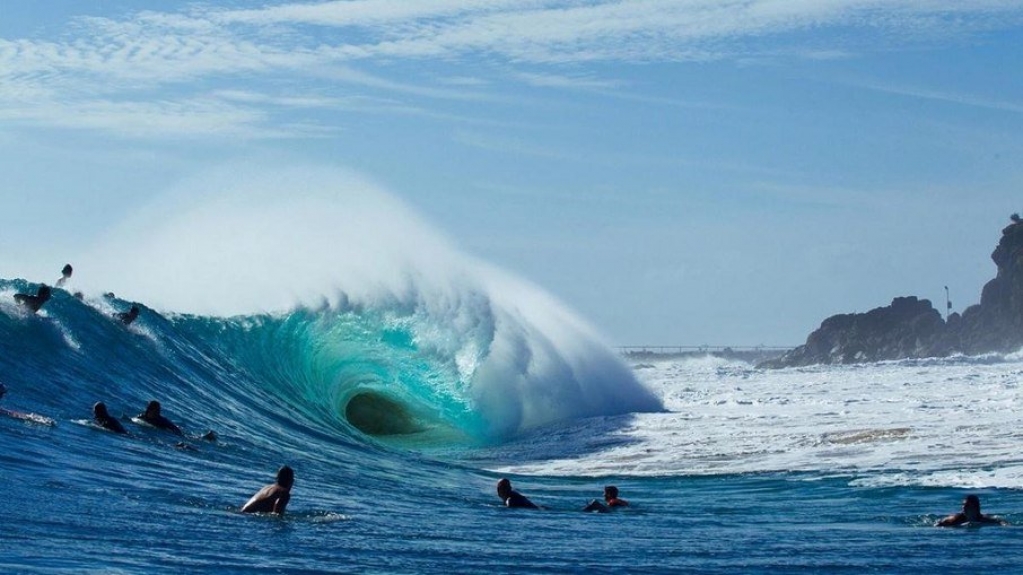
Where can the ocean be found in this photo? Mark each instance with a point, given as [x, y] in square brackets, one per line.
[400, 414]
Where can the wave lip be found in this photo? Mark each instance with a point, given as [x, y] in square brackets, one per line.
[464, 362]
[446, 338]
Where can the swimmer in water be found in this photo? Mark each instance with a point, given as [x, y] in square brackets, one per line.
[104, 420]
[970, 515]
[34, 302]
[153, 417]
[272, 498]
[611, 500]
[65, 274]
[513, 498]
[126, 317]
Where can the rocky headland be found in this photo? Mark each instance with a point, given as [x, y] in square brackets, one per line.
[912, 328]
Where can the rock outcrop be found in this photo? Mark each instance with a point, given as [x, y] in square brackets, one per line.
[912, 328]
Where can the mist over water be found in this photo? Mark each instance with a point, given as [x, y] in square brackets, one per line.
[243, 241]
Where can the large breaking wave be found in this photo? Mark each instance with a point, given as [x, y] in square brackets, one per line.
[312, 294]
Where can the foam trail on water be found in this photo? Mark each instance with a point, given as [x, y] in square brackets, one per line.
[268, 241]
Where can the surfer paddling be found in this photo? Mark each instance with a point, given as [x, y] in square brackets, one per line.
[611, 500]
[511, 497]
[153, 417]
[970, 515]
[127, 317]
[104, 420]
[34, 302]
[32, 417]
[272, 498]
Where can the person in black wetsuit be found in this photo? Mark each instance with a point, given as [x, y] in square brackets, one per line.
[511, 497]
[34, 302]
[104, 420]
[126, 317]
[153, 417]
[272, 498]
[970, 515]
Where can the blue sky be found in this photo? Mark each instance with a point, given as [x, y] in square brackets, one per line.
[678, 172]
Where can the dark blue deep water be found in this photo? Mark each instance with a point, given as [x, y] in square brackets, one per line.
[392, 476]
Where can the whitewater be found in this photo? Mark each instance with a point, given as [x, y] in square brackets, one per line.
[335, 332]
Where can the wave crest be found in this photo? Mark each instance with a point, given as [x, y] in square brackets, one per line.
[403, 321]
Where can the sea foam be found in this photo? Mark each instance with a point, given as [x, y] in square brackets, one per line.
[239, 241]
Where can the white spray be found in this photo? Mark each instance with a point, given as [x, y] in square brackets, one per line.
[241, 241]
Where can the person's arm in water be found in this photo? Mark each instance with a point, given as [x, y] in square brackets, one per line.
[270, 499]
[952, 520]
[283, 497]
[989, 520]
[113, 425]
[161, 422]
[519, 500]
[173, 428]
[960, 519]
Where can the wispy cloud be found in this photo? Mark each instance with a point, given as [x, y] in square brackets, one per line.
[249, 97]
[209, 117]
[361, 13]
[956, 98]
[561, 81]
[100, 62]
[635, 30]
[206, 40]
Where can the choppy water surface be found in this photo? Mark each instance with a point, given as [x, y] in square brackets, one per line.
[824, 469]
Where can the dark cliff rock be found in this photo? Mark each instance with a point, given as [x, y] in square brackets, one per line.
[911, 327]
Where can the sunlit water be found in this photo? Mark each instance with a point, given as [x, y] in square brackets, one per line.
[815, 470]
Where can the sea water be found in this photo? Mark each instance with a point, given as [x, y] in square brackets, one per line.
[310, 319]
[731, 469]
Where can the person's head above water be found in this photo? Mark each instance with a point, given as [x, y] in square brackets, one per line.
[971, 507]
[67, 270]
[970, 515]
[504, 488]
[128, 317]
[153, 409]
[610, 492]
[100, 409]
[285, 477]
[44, 292]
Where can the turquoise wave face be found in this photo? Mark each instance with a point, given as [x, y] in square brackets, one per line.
[398, 372]
[356, 372]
